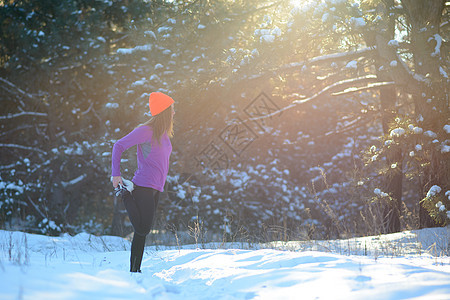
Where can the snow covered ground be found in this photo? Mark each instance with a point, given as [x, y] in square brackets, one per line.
[407, 265]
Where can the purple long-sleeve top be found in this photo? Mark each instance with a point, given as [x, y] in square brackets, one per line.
[152, 157]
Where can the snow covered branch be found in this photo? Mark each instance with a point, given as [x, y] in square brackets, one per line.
[4, 133]
[36, 207]
[7, 85]
[22, 147]
[332, 57]
[326, 90]
[10, 166]
[357, 89]
[351, 81]
[73, 181]
[24, 113]
[417, 77]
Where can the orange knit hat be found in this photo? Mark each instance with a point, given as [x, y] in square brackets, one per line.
[158, 102]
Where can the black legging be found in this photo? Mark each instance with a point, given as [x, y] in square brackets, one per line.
[141, 206]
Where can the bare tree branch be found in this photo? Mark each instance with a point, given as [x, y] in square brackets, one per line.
[358, 122]
[332, 57]
[8, 166]
[21, 128]
[344, 82]
[36, 207]
[326, 90]
[367, 87]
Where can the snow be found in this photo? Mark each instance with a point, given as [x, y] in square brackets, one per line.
[12, 186]
[276, 31]
[268, 35]
[403, 265]
[441, 206]
[267, 38]
[443, 73]
[181, 194]
[358, 22]
[435, 189]
[397, 132]
[126, 51]
[352, 65]
[334, 56]
[445, 148]
[417, 130]
[154, 77]
[430, 134]
[378, 192]
[139, 82]
[437, 48]
[150, 33]
[73, 181]
[393, 43]
[447, 128]
[163, 29]
[336, 2]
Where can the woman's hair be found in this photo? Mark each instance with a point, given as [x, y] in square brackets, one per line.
[161, 123]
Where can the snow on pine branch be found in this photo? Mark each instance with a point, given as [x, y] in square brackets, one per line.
[24, 113]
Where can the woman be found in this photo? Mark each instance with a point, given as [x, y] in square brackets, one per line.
[153, 151]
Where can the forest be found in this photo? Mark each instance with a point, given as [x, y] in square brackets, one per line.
[294, 119]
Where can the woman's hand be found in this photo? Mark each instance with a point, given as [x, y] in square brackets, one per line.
[116, 180]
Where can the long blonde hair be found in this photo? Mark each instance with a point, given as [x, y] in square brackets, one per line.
[161, 123]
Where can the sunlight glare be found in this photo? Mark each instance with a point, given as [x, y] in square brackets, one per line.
[301, 3]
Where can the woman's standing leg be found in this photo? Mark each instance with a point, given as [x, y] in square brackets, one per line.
[141, 206]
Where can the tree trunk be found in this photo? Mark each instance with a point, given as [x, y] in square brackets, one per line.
[388, 100]
[431, 104]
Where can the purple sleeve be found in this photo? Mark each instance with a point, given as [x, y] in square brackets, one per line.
[138, 136]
